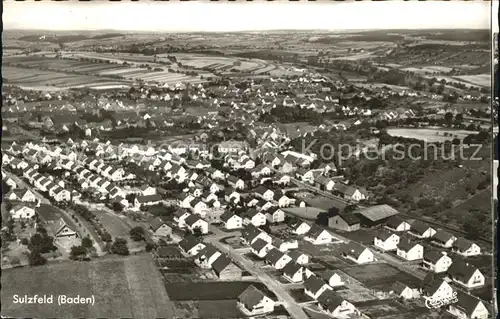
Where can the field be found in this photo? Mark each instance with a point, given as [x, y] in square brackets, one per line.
[218, 63]
[479, 79]
[429, 135]
[379, 275]
[117, 227]
[208, 309]
[50, 80]
[212, 290]
[122, 287]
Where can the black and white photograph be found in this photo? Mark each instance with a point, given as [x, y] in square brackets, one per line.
[266, 159]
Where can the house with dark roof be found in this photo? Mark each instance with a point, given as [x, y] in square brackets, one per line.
[250, 233]
[318, 236]
[253, 302]
[293, 272]
[410, 250]
[465, 274]
[261, 247]
[301, 228]
[253, 217]
[147, 200]
[385, 240]
[397, 224]
[436, 261]
[466, 248]
[299, 257]
[225, 269]
[275, 215]
[443, 238]
[468, 306]
[345, 222]
[336, 306]
[315, 287]
[61, 229]
[332, 278]
[207, 256]
[420, 229]
[403, 291]
[231, 220]
[357, 253]
[190, 245]
[277, 259]
[435, 288]
[194, 222]
[159, 228]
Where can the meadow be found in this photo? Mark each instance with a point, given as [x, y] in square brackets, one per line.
[429, 135]
[128, 287]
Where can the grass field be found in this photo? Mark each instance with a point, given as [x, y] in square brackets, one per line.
[429, 135]
[212, 290]
[479, 79]
[128, 287]
[379, 275]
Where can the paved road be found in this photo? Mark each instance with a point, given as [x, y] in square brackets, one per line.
[289, 303]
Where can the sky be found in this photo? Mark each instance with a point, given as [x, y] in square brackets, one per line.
[245, 16]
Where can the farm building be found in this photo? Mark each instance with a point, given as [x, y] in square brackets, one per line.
[254, 302]
[375, 215]
[346, 222]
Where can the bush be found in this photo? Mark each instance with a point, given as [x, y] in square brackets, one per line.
[119, 247]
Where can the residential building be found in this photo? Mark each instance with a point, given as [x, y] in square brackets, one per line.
[443, 239]
[357, 253]
[231, 220]
[436, 261]
[466, 248]
[468, 307]
[336, 306]
[293, 272]
[254, 302]
[318, 236]
[386, 240]
[225, 269]
[332, 278]
[277, 259]
[346, 222]
[410, 250]
[159, 228]
[466, 274]
[395, 223]
[315, 286]
[421, 230]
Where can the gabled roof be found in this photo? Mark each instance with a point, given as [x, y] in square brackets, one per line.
[291, 269]
[461, 270]
[349, 218]
[462, 244]
[274, 255]
[353, 249]
[377, 212]
[227, 215]
[442, 236]
[467, 303]
[330, 300]
[259, 244]
[384, 234]
[314, 284]
[220, 264]
[156, 223]
[405, 244]
[315, 231]
[431, 283]
[149, 198]
[394, 222]
[188, 242]
[295, 254]
[251, 297]
[419, 227]
[433, 255]
[192, 219]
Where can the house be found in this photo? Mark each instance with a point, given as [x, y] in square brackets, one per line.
[465, 274]
[275, 215]
[315, 287]
[468, 306]
[207, 256]
[9, 181]
[159, 228]
[194, 222]
[22, 195]
[403, 291]
[231, 220]
[22, 212]
[284, 245]
[148, 190]
[180, 217]
[261, 247]
[324, 183]
[465, 247]
[336, 306]
[148, 200]
[301, 228]
[199, 207]
[435, 288]
[250, 233]
[277, 259]
[421, 230]
[386, 240]
[184, 200]
[225, 269]
[293, 272]
[443, 239]
[253, 302]
[397, 224]
[357, 253]
[235, 182]
[61, 230]
[254, 217]
[299, 257]
[191, 245]
[436, 261]
[346, 222]
[350, 192]
[410, 250]
[283, 200]
[318, 236]
[264, 193]
[332, 278]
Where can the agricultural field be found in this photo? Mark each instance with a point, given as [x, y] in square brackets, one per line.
[212, 290]
[380, 275]
[429, 135]
[217, 63]
[479, 79]
[128, 287]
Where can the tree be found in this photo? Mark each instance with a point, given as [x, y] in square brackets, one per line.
[137, 233]
[15, 261]
[117, 207]
[448, 118]
[87, 242]
[197, 231]
[78, 253]
[35, 259]
[350, 208]
[119, 247]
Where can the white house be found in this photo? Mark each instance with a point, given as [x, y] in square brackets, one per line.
[436, 261]
[231, 220]
[397, 224]
[468, 307]
[332, 278]
[386, 241]
[436, 289]
[277, 259]
[261, 247]
[421, 230]
[466, 274]
[315, 286]
[318, 236]
[253, 217]
[275, 215]
[20, 212]
[443, 239]
[191, 246]
[299, 257]
[253, 302]
[194, 222]
[409, 250]
[336, 306]
[357, 253]
[466, 248]
[403, 291]
[301, 228]
[294, 272]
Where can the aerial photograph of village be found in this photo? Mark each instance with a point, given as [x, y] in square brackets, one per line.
[295, 169]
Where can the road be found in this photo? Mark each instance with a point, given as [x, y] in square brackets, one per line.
[81, 226]
[289, 303]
